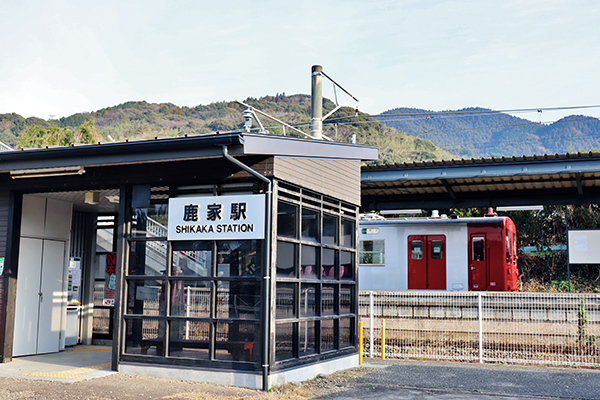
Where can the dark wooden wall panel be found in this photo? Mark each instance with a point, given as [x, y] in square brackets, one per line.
[262, 166]
[4, 210]
[4, 201]
[335, 178]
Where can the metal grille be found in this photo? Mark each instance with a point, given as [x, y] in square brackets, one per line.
[535, 328]
[101, 321]
[198, 306]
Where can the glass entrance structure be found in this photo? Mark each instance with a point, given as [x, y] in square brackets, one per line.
[232, 257]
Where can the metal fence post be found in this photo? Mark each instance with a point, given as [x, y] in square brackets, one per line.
[371, 324]
[480, 313]
[383, 338]
[188, 306]
[360, 343]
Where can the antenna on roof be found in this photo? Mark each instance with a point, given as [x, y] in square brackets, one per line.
[251, 112]
[248, 115]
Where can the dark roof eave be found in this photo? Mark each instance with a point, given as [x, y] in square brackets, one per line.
[487, 170]
[182, 148]
[120, 152]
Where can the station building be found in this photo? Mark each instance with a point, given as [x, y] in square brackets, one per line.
[227, 258]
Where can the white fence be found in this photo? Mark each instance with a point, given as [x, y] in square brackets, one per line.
[536, 328]
[195, 302]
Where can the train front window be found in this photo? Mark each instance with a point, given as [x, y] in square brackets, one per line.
[514, 246]
[507, 248]
[416, 249]
[478, 249]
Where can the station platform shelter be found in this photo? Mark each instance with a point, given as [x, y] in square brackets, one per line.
[227, 258]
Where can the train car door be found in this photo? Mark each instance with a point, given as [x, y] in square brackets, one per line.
[427, 262]
[436, 262]
[417, 262]
[477, 262]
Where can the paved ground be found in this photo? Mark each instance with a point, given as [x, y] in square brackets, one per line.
[72, 365]
[68, 376]
[445, 380]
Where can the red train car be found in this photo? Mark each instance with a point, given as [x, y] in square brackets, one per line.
[438, 254]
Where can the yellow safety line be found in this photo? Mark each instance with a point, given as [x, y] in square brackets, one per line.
[70, 374]
[92, 349]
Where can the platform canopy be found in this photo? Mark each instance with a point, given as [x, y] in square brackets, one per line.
[485, 182]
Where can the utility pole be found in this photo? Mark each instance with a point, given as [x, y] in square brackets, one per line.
[316, 102]
[316, 115]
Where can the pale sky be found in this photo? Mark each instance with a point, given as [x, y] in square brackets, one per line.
[61, 57]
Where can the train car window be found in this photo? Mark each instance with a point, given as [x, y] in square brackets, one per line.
[437, 249]
[372, 252]
[416, 249]
[478, 249]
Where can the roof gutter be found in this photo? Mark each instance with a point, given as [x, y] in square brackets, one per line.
[145, 151]
[266, 263]
[133, 147]
[480, 170]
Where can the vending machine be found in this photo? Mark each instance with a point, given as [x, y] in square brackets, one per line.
[74, 302]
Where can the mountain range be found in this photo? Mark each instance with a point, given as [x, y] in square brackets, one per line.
[139, 119]
[480, 132]
[402, 134]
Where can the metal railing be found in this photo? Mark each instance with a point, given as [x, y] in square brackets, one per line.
[195, 302]
[5, 147]
[534, 328]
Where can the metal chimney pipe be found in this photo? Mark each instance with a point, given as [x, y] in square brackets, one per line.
[316, 116]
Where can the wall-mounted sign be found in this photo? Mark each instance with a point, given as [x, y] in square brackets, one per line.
[110, 281]
[583, 246]
[1, 265]
[236, 217]
[370, 231]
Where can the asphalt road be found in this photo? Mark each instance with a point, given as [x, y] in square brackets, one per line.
[444, 380]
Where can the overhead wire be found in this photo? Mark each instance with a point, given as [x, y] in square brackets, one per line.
[484, 111]
[354, 119]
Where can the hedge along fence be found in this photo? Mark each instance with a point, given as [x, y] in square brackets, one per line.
[549, 271]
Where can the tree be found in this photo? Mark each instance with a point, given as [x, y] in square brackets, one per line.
[37, 136]
[88, 133]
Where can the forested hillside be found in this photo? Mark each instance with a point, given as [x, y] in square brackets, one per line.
[147, 120]
[403, 134]
[479, 132]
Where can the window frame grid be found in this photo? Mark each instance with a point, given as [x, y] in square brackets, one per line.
[167, 319]
[330, 208]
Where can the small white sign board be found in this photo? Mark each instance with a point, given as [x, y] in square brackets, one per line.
[584, 246]
[238, 217]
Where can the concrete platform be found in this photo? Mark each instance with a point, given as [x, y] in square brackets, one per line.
[71, 365]
[440, 380]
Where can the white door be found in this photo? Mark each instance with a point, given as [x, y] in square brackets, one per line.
[52, 297]
[27, 302]
[39, 301]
